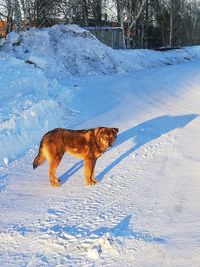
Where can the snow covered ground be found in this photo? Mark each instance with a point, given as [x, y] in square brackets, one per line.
[145, 209]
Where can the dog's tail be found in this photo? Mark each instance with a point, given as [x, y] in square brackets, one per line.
[40, 158]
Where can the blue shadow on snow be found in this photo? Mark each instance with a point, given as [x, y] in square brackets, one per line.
[122, 229]
[146, 132]
[65, 176]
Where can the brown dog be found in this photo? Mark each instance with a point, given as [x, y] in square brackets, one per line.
[86, 144]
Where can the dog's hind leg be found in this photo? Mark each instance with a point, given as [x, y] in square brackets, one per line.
[52, 171]
[54, 156]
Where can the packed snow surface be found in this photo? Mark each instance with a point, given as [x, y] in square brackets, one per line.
[145, 209]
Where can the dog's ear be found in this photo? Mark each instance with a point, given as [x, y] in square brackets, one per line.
[115, 130]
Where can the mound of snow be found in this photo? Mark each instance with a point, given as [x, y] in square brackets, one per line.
[68, 49]
[30, 105]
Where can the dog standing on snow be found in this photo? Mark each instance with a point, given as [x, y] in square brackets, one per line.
[85, 144]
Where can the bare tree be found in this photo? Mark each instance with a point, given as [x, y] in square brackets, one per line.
[148, 23]
[134, 10]
[9, 15]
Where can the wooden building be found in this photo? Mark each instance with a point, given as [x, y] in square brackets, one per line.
[111, 36]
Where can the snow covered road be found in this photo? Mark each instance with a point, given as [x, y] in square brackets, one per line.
[145, 211]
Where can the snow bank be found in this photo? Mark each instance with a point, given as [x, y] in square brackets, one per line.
[149, 58]
[68, 48]
[30, 105]
[19, 132]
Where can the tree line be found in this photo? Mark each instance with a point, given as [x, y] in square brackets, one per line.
[146, 23]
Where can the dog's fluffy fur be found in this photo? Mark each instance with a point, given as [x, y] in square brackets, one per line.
[85, 144]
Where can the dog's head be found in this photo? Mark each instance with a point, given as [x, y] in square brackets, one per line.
[107, 136]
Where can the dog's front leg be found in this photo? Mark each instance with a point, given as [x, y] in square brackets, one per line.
[89, 165]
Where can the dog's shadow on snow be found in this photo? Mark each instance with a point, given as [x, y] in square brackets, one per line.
[146, 132]
[65, 176]
[122, 229]
[141, 135]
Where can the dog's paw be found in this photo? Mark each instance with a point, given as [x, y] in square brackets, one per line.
[55, 184]
[93, 182]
